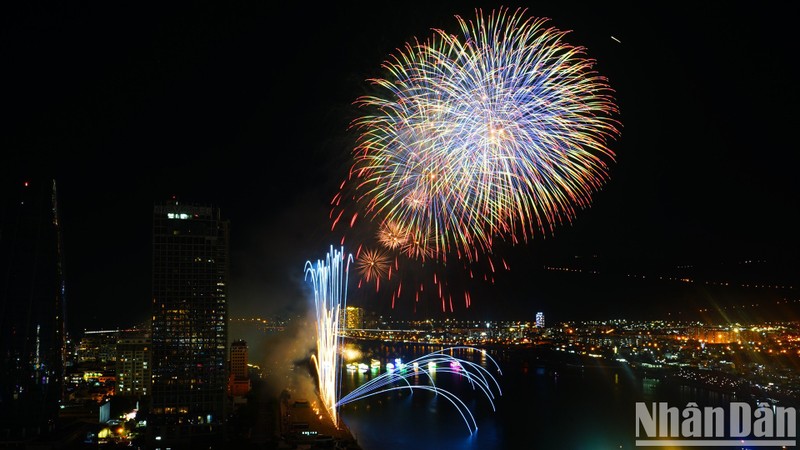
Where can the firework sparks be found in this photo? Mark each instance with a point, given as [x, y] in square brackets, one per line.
[392, 236]
[373, 265]
[424, 368]
[417, 247]
[499, 131]
[329, 279]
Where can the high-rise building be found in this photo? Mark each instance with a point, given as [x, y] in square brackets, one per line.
[540, 320]
[239, 359]
[189, 329]
[239, 381]
[353, 318]
[134, 365]
[32, 301]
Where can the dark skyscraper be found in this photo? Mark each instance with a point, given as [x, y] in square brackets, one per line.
[189, 333]
[31, 311]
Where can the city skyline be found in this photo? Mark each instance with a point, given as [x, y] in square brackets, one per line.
[191, 102]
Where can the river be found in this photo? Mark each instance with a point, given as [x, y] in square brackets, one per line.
[548, 401]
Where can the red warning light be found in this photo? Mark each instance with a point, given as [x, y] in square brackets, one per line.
[25, 184]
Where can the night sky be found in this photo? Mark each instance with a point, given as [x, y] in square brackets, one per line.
[246, 105]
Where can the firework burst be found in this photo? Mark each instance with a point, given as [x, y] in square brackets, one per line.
[392, 236]
[373, 265]
[499, 131]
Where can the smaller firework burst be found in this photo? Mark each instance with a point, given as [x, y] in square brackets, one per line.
[373, 265]
[392, 236]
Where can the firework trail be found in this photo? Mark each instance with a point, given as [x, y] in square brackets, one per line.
[329, 279]
[500, 131]
[424, 368]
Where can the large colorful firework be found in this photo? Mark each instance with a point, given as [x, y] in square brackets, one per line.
[499, 131]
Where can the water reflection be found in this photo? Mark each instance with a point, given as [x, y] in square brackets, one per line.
[546, 403]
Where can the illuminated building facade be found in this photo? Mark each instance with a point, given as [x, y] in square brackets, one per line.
[99, 347]
[32, 301]
[189, 329]
[134, 366]
[540, 320]
[353, 317]
[239, 381]
[239, 359]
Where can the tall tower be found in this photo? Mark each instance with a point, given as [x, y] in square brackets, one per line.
[540, 320]
[32, 301]
[189, 330]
